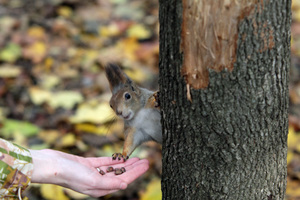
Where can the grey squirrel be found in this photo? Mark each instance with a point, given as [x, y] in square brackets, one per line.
[139, 107]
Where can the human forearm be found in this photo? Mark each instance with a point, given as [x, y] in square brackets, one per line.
[80, 174]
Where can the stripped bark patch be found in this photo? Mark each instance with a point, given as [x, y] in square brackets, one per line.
[209, 37]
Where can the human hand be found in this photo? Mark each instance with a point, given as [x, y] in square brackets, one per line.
[81, 174]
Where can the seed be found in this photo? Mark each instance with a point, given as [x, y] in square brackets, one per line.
[110, 169]
[123, 169]
[101, 172]
[118, 171]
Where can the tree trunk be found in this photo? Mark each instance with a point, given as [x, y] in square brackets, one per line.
[227, 140]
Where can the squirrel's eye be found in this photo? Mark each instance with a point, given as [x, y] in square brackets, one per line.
[127, 96]
[111, 106]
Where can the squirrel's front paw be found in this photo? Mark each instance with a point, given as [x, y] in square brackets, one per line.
[119, 156]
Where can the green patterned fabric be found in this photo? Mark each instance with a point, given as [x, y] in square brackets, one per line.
[15, 169]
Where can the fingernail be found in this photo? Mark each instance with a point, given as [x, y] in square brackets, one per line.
[123, 186]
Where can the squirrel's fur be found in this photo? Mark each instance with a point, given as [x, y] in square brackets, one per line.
[137, 106]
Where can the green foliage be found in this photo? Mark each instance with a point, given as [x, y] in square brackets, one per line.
[11, 127]
[10, 53]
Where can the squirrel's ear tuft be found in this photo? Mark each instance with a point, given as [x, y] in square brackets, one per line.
[116, 77]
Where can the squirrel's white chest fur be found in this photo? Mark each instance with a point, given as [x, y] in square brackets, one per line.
[148, 126]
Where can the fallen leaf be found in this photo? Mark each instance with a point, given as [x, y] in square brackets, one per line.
[65, 99]
[289, 157]
[36, 32]
[11, 126]
[104, 129]
[39, 96]
[49, 81]
[35, 52]
[128, 47]
[89, 58]
[293, 140]
[75, 195]
[9, 71]
[51, 192]
[49, 136]
[10, 53]
[153, 191]
[138, 31]
[67, 140]
[99, 114]
[111, 30]
[6, 24]
[292, 188]
[65, 11]
[295, 5]
[137, 74]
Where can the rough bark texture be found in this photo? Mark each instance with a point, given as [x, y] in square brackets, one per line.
[230, 142]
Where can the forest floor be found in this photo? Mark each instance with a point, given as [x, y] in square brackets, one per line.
[53, 91]
[54, 94]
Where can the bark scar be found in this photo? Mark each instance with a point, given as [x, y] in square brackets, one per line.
[209, 37]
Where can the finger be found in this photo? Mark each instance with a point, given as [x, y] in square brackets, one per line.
[124, 164]
[119, 165]
[102, 161]
[128, 168]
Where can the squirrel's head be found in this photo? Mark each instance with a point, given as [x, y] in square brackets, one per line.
[125, 100]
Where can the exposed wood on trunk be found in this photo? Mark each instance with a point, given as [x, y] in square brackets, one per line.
[209, 36]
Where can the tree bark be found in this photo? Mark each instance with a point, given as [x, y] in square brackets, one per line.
[230, 141]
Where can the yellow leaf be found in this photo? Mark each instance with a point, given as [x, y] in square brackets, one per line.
[49, 136]
[109, 31]
[99, 114]
[9, 71]
[289, 157]
[39, 96]
[128, 47]
[138, 31]
[48, 81]
[293, 138]
[136, 74]
[153, 191]
[36, 51]
[48, 62]
[36, 32]
[100, 130]
[65, 99]
[67, 140]
[89, 58]
[292, 188]
[91, 128]
[51, 192]
[296, 16]
[65, 11]
[75, 195]
[295, 5]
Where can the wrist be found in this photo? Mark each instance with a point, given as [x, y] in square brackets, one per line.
[45, 168]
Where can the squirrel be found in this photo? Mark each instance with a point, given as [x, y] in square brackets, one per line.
[139, 108]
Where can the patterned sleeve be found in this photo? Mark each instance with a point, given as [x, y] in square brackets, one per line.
[15, 169]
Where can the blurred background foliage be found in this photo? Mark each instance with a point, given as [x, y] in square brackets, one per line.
[293, 156]
[53, 91]
[54, 94]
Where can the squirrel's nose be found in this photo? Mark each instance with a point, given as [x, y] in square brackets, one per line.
[119, 112]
